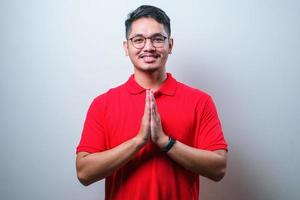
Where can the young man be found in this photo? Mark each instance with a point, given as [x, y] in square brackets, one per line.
[151, 137]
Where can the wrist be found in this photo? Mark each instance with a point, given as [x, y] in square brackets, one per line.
[139, 141]
[169, 145]
[163, 141]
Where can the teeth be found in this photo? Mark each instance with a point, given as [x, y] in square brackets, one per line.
[148, 56]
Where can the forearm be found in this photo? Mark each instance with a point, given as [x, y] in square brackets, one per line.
[92, 167]
[205, 163]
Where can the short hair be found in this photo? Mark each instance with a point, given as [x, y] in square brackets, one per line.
[149, 12]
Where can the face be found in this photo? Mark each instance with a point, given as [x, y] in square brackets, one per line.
[149, 58]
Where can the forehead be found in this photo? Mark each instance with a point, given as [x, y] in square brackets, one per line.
[146, 27]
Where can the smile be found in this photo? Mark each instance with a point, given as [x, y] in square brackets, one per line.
[149, 56]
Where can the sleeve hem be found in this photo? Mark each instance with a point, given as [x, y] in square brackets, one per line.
[217, 147]
[87, 149]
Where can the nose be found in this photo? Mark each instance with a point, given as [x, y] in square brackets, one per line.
[148, 45]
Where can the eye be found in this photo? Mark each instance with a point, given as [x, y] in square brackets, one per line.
[158, 39]
[138, 40]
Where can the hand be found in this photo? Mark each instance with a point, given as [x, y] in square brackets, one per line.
[157, 134]
[145, 130]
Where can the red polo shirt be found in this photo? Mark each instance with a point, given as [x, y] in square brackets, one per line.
[187, 114]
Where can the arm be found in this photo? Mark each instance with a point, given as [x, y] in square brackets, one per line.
[211, 164]
[92, 167]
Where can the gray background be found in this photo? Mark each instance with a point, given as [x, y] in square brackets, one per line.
[56, 56]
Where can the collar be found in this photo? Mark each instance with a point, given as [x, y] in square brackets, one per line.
[168, 87]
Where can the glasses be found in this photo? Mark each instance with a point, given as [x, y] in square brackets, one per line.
[139, 41]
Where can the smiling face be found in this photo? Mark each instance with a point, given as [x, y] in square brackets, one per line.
[148, 58]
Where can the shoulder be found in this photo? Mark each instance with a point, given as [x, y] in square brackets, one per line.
[192, 92]
[101, 102]
[201, 101]
[109, 94]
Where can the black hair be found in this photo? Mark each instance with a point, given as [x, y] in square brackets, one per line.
[151, 12]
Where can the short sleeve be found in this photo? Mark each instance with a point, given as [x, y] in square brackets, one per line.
[93, 133]
[209, 134]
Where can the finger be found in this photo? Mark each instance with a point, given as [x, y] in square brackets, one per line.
[147, 104]
[153, 104]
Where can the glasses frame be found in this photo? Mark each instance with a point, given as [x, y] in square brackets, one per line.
[151, 39]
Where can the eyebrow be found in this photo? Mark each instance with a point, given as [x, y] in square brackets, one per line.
[154, 34]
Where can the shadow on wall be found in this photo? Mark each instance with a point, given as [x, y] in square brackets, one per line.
[245, 178]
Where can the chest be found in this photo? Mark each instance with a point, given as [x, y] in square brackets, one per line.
[124, 119]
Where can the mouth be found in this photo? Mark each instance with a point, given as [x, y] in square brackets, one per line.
[149, 58]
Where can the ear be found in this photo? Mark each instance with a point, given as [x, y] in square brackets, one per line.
[171, 43]
[125, 46]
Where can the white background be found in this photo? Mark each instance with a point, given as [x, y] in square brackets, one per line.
[56, 56]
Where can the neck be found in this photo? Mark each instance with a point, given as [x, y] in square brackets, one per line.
[150, 80]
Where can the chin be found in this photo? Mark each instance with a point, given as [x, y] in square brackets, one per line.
[148, 68]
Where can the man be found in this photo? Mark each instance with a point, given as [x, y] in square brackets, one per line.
[151, 137]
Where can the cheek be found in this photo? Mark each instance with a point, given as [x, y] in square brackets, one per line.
[133, 55]
[133, 52]
[164, 54]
